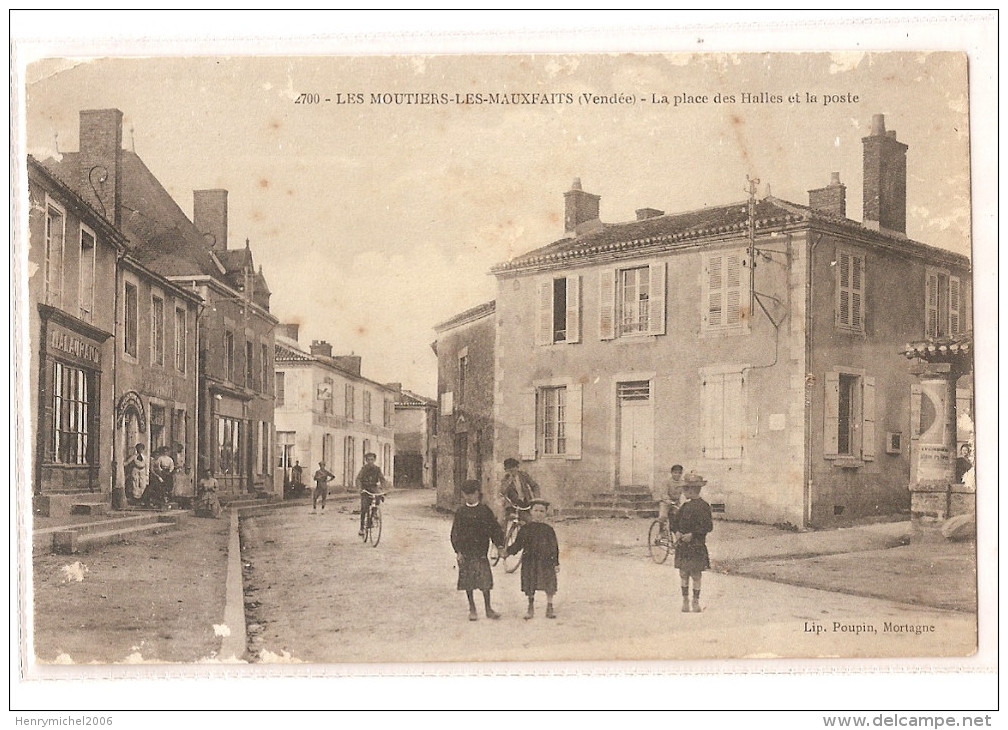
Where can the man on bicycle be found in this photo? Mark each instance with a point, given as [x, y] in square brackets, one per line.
[368, 479]
[517, 488]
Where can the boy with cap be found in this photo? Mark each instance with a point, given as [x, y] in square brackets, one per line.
[368, 479]
[472, 531]
[692, 523]
[517, 488]
[540, 557]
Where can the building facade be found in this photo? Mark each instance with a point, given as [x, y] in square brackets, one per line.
[326, 411]
[415, 423]
[465, 349]
[233, 329]
[72, 257]
[758, 343]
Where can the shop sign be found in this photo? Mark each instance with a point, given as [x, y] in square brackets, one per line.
[64, 342]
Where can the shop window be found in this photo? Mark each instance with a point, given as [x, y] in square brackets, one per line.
[71, 415]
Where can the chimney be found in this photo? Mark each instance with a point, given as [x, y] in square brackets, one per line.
[321, 348]
[100, 159]
[644, 213]
[831, 199]
[884, 178]
[290, 331]
[210, 217]
[579, 208]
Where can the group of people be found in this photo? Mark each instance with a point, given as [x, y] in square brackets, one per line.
[368, 480]
[156, 486]
[475, 527]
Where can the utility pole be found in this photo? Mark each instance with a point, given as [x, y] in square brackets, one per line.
[753, 183]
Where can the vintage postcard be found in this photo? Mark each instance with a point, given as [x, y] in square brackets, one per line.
[339, 361]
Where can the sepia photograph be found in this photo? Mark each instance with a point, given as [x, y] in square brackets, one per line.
[342, 361]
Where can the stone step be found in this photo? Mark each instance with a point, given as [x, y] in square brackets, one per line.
[103, 525]
[608, 512]
[89, 508]
[622, 496]
[68, 542]
[58, 504]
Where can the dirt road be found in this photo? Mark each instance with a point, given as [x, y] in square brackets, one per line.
[315, 593]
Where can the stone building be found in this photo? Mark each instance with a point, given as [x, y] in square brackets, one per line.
[757, 342]
[415, 439]
[465, 349]
[327, 411]
[233, 329]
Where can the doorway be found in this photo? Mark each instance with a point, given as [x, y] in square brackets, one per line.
[635, 433]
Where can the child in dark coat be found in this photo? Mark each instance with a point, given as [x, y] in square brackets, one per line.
[472, 530]
[540, 557]
[692, 524]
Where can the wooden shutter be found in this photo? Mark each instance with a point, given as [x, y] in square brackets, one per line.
[573, 420]
[656, 304]
[857, 293]
[733, 301]
[527, 428]
[573, 308]
[732, 416]
[607, 304]
[544, 313]
[955, 291]
[931, 295]
[868, 419]
[843, 305]
[714, 291]
[712, 398]
[831, 414]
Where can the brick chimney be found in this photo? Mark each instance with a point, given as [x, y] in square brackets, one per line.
[100, 160]
[580, 208]
[831, 199]
[210, 209]
[644, 213]
[290, 331]
[321, 348]
[884, 178]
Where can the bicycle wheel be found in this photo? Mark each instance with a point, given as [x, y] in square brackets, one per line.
[511, 562]
[659, 541]
[375, 526]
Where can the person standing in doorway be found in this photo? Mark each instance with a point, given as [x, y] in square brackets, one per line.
[136, 470]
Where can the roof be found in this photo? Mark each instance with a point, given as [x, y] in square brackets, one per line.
[469, 315]
[409, 399]
[951, 348]
[690, 227]
[285, 351]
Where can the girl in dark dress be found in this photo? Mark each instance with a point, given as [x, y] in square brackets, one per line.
[540, 558]
[472, 530]
[692, 524]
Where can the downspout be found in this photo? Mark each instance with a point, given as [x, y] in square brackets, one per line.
[116, 449]
[809, 321]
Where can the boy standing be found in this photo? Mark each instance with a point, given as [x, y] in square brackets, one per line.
[322, 478]
[540, 558]
[692, 524]
[472, 530]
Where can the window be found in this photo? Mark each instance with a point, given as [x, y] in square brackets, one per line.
[559, 310]
[631, 301]
[285, 449]
[264, 368]
[264, 453]
[325, 394]
[55, 232]
[179, 429]
[229, 442]
[87, 274]
[249, 366]
[722, 402]
[327, 449]
[367, 406]
[349, 405]
[387, 460]
[724, 306]
[229, 355]
[365, 448]
[157, 330]
[349, 460]
[131, 300]
[849, 416]
[943, 304]
[551, 420]
[463, 367]
[389, 410]
[850, 291]
[71, 415]
[180, 339]
[158, 437]
[278, 387]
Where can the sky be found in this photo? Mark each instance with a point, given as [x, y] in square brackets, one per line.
[374, 221]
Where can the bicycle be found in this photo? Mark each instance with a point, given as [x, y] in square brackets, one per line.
[373, 520]
[511, 562]
[660, 540]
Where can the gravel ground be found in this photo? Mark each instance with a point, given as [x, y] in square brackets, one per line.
[153, 599]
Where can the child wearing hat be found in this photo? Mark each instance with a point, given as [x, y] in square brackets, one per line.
[540, 557]
[692, 524]
[472, 530]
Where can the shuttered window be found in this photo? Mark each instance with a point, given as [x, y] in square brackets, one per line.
[943, 304]
[849, 416]
[559, 310]
[551, 421]
[723, 408]
[850, 291]
[723, 301]
[632, 301]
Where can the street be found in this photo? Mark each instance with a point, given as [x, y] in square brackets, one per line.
[315, 593]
